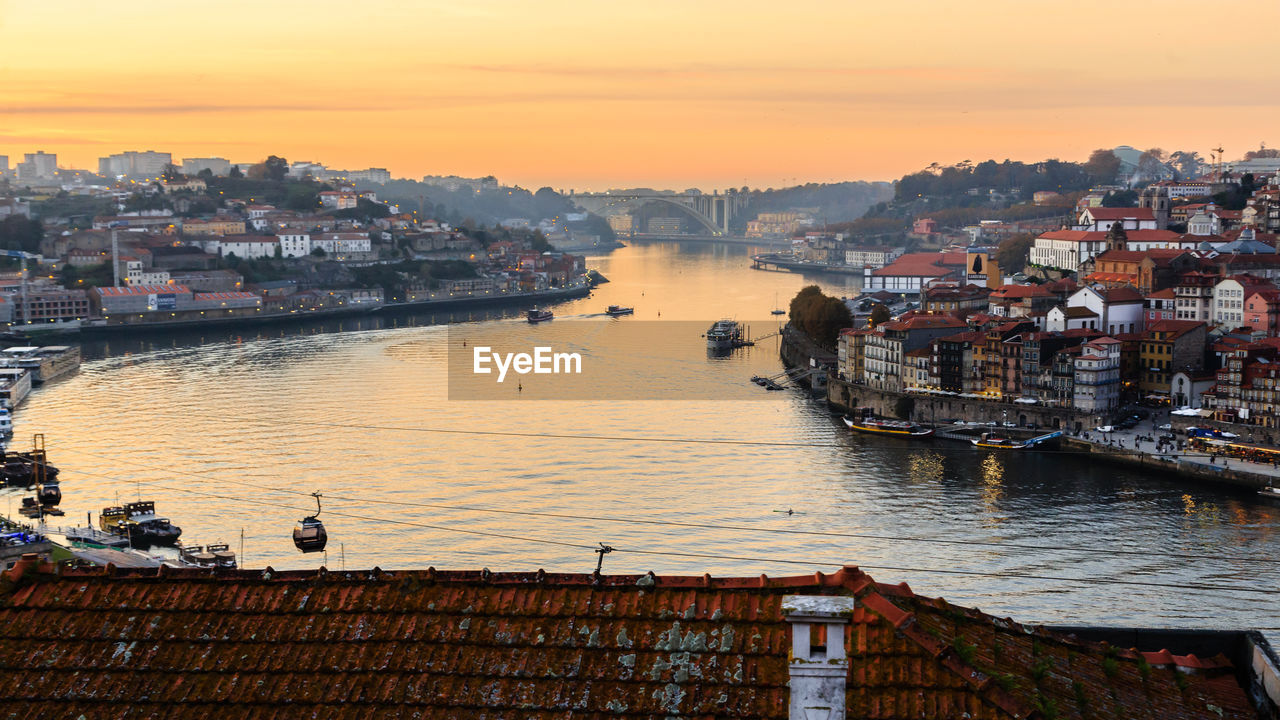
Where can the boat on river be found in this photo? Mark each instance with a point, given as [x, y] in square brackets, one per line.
[537, 316]
[988, 440]
[895, 428]
[138, 522]
[616, 310]
[725, 335]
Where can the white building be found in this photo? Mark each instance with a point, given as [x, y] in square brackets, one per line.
[875, 257]
[247, 246]
[134, 164]
[1097, 376]
[1226, 309]
[294, 244]
[339, 245]
[135, 275]
[1119, 310]
[1100, 219]
[338, 200]
[38, 165]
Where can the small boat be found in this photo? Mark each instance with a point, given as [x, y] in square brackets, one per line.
[987, 440]
[896, 428]
[222, 554]
[138, 522]
[1271, 493]
[197, 555]
[777, 310]
[616, 310]
[537, 316]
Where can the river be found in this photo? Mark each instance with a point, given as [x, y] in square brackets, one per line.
[228, 431]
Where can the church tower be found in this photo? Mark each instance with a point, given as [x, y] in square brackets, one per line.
[1156, 197]
[1117, 238]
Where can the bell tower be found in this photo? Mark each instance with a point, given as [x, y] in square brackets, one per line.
[1117, 238]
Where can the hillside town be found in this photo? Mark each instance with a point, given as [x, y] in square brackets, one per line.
[201, 242]
[1170, 304]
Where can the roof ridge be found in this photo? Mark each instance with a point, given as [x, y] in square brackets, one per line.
[946, 655]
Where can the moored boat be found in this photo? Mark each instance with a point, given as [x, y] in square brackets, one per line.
[138, 522]
[987, 440]
[1271, 493]
[537, 316]
[724, 335]
[896, 428]
[616, 310]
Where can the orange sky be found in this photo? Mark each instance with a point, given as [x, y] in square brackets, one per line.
[590, 95]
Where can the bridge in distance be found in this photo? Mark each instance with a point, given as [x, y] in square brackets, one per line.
[713, 212]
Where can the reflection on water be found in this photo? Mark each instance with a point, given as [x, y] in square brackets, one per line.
[228, 432]
[927, 467]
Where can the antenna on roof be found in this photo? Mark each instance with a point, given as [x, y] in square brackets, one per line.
[601, 551]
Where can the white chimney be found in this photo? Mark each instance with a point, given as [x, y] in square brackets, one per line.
[819, 663]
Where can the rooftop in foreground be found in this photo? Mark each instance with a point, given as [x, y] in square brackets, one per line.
[116, 642]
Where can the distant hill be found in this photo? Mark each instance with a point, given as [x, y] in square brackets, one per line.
[829, 202]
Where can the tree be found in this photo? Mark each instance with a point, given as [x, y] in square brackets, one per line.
[19, 232]
[819, 316]
[275, 168]
[171, 172]
[1151, 164]
[318, 251]
[1102, 166]
[1013, 251]
[1122, 198]
[1188, 164]
[235, 172]
[1262, 152]
[879, 315]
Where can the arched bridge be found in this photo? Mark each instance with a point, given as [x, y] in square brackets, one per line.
[712, 211]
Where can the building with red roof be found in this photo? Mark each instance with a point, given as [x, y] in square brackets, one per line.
[1101, 219]
[238, 644]
[911, 271]
[1146, 270]
[887, 348]
[1262, 311]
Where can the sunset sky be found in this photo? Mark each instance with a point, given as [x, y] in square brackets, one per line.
[591, 95]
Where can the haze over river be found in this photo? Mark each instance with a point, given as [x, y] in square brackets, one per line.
[228, 431]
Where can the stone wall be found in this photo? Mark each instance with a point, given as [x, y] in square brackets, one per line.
[939, 408]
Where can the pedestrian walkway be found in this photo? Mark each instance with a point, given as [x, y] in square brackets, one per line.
[1128, 440]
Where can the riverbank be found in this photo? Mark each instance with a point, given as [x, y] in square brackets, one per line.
[710, 239]
[255, 319]
[1129, 448]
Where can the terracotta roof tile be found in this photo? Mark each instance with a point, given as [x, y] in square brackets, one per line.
[432, 644]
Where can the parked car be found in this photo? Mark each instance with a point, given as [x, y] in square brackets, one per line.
[1142, 414]
[1166, 427]
[1105, 428]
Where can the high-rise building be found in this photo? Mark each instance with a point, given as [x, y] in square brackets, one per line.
[220, 167]
[38, 165]
[4, 164]
[135, 164]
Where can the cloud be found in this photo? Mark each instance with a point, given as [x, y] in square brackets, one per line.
[164, 109]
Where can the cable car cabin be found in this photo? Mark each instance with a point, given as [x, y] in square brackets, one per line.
[49, 494]
[310, 536]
